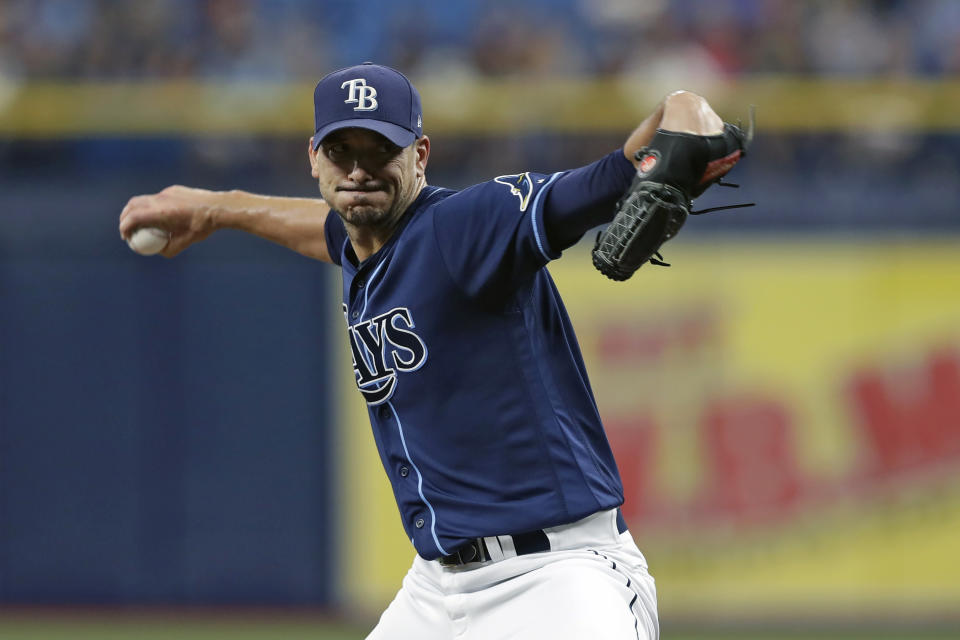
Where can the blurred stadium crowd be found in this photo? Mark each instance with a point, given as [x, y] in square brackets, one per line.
[261, 39]
[828, 177]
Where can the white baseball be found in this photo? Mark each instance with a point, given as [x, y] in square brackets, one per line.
[148, 240]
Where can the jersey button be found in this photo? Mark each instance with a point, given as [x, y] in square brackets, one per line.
[404, 472]
[360, 284]
[384, 412]
[355, 314]
[419, 523]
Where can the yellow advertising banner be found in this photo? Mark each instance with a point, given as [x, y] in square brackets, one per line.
[786, 419]
[40, 109]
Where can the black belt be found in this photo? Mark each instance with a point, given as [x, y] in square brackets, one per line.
[524, 543]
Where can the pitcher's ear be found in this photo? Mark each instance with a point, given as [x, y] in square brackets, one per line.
[314, 171]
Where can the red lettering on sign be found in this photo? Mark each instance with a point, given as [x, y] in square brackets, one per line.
[686, 331]
[750, 458]
[909, 419]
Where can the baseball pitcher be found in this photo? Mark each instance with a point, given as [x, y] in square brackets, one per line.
[476, 389]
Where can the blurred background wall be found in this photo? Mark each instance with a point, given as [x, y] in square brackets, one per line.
[784, 401]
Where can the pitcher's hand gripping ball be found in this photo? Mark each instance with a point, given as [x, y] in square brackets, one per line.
[674, 169]
[148, 240]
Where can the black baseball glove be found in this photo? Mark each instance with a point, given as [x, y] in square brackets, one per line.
[674, 169]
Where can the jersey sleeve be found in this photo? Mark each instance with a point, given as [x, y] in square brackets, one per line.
[491, 236]
[585, 198]
[335, 235]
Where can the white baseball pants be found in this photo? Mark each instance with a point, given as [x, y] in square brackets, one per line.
[592, 584]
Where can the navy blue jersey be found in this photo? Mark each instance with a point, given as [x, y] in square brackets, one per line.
[476, 388]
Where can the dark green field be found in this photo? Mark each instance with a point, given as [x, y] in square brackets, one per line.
[39, 625]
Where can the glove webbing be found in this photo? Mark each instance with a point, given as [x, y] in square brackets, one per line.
[651, 214]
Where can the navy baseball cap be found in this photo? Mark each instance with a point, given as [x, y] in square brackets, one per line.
[369, 96]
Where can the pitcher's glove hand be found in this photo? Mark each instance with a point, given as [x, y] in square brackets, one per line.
[674, 169]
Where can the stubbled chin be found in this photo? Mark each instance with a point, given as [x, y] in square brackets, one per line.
[363, 214]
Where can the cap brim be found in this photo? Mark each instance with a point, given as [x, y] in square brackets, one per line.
[395, 134]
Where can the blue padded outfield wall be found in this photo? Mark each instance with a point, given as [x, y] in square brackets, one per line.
[165, 426]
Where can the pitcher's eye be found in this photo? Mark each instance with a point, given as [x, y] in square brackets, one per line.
[336, 149]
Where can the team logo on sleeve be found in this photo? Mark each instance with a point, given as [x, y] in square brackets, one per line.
[520, 185]
[381, 348]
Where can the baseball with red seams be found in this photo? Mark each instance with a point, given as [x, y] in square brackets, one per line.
[148, 240]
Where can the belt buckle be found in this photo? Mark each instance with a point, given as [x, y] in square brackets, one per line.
[473, 551]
